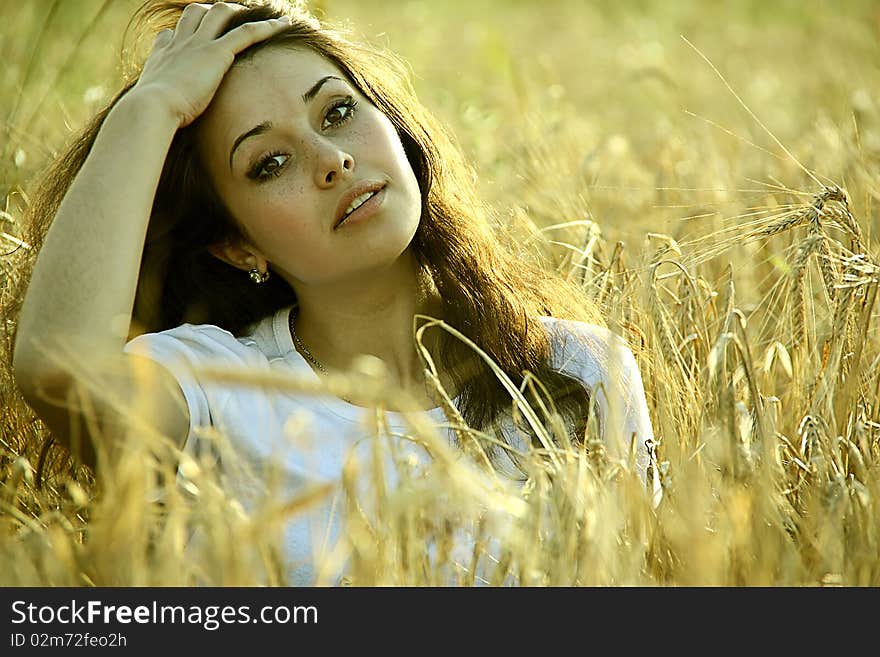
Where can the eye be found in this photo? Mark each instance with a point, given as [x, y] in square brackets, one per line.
[340, 112]
[268, 167]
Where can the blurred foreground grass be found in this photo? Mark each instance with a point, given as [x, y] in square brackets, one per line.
[746, 283]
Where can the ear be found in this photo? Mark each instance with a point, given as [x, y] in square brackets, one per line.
[240, 255]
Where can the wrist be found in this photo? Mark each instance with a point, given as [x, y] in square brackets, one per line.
[148, 104]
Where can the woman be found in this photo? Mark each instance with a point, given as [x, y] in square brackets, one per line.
[270, 196]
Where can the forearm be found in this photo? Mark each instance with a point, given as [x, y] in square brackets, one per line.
[85, 277]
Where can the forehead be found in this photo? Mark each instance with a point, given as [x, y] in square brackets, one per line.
[271, 80]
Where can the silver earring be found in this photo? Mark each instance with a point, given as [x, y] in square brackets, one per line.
[258, 277]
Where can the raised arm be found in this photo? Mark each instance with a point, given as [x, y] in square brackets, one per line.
[81, 295]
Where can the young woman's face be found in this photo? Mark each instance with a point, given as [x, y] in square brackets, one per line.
[291, 146]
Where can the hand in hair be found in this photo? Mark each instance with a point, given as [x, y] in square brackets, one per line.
[187, 64]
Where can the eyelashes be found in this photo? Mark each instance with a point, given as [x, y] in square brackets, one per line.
[271, 165]
[268, 167]
[348, 103]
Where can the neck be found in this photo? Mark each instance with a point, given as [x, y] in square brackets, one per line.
[370, 315]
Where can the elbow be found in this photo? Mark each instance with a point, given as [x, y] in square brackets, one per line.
[23, 368]
[35, 379]
[25, 359]
[26, 364]
[46, 391]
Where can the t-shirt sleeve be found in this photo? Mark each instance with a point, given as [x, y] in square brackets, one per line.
[605, 363]
[183, 350]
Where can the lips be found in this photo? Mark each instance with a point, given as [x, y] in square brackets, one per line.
[351, 195]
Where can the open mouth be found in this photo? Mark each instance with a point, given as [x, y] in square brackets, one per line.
[361, 206]
[358, 202]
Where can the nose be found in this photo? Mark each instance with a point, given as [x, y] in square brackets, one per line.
[333, 164]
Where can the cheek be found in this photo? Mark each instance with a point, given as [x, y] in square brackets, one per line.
[382, 137]
[280, 223]
[278, 204]
[289, 233]
[407, 172]
[397, 149]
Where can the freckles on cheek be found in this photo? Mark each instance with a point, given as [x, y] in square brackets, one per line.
[282, 217]
[360, 137]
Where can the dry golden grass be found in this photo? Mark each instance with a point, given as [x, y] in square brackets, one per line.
[734, 249]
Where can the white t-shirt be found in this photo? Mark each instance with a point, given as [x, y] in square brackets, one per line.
[305, 440]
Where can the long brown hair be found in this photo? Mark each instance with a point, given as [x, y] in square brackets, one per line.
[490, 294]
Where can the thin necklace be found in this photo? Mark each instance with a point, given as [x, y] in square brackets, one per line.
[303, 349]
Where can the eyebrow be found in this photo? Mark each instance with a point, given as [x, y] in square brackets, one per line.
[265, 126]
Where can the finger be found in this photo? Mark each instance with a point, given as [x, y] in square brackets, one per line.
[250, 33]
[191, 18]
[217, 18]
[162, 37]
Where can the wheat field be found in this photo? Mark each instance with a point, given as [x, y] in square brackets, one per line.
[709, 176]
